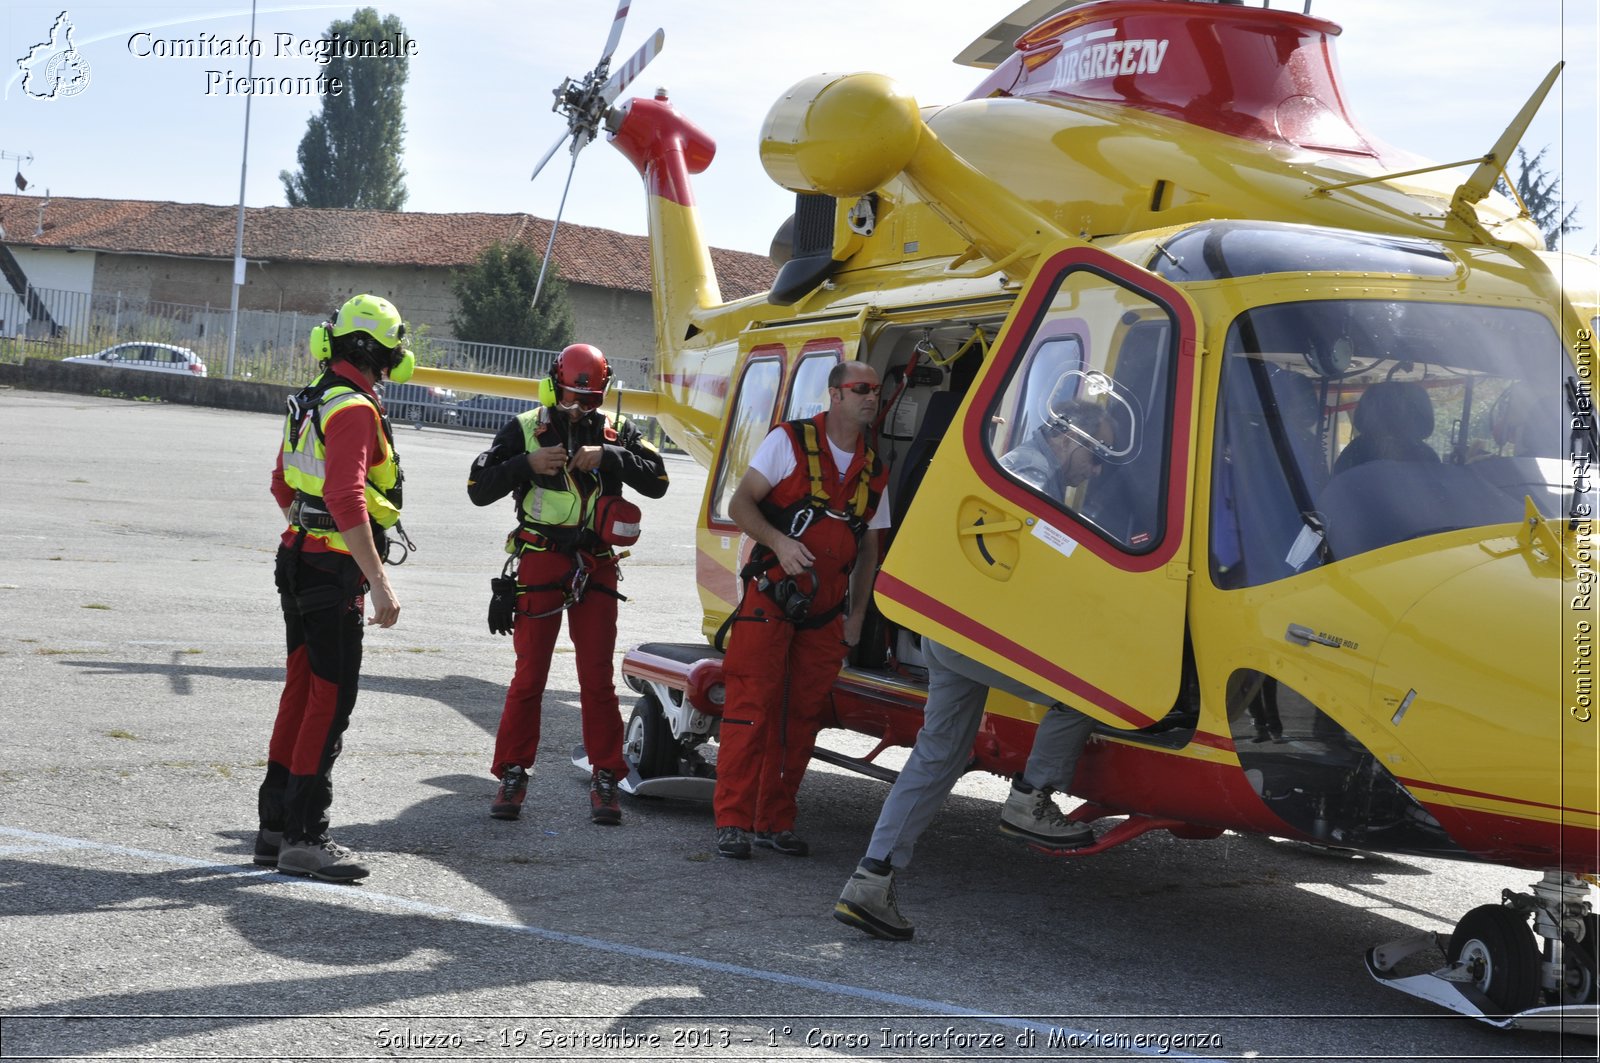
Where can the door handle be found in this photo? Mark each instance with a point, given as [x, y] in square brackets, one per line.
[1301, 635]
[980, 528]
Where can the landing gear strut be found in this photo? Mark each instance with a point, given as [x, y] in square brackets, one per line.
[1502, 971]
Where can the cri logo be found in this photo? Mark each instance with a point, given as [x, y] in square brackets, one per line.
[55, 68]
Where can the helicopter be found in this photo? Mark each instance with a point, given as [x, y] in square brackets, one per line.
[1335, 579]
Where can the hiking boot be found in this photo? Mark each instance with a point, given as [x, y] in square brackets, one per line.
[604, 808]
[733, 843]
[868, 904]
[324, 859]
[1031, 815]
[786, 842]
[267, 844]
[513, 788]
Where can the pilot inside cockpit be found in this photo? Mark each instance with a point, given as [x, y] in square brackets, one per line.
[1067, 450]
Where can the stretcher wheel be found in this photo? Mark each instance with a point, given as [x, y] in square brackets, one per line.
[648, 740]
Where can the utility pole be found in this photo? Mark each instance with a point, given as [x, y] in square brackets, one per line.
[238, 229]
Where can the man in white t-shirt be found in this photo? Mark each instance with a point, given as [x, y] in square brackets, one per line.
[812, 501]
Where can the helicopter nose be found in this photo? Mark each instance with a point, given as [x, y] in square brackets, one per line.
[1496, 701]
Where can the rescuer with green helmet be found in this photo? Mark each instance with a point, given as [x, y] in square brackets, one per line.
[338, 482]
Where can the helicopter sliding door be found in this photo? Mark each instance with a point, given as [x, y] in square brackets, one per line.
[1048, 539]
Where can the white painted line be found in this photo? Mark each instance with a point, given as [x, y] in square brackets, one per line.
[359, 894]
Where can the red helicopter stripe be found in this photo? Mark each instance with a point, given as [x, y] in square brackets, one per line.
[939, 612]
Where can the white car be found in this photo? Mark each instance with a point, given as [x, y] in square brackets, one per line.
[162, 357]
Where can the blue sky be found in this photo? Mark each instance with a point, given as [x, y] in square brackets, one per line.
[1437, 77]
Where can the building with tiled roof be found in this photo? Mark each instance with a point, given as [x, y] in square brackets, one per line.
[308, 260]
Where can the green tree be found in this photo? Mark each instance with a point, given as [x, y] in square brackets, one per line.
[494, 301]
[350, 155]
[1541, 194]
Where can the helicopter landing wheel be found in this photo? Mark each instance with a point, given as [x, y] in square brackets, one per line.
[1496, 945]
[1580, 983]
[648, 740]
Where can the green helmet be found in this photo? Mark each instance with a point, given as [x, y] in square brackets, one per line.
[373, 315]
[378, 319]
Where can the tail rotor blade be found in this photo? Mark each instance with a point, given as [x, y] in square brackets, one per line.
[616, 30]
[633, 67]
[550, 154]
[550, 244]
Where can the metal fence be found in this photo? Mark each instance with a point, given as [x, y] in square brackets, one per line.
[271, 347]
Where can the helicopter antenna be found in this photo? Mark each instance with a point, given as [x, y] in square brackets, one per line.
[585, 103]
[1488, 171]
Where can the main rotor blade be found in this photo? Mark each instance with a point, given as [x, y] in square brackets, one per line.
[632, 68]
[551, 153]
[616, 30]
[551, 243]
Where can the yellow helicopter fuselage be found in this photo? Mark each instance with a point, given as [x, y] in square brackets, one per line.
[1283, 629]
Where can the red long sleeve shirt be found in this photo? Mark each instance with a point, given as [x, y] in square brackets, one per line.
[351, 441]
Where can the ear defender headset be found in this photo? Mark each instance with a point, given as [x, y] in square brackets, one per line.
[369, 319]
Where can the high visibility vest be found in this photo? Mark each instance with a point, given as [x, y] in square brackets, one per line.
[558, 511]
[305, 466]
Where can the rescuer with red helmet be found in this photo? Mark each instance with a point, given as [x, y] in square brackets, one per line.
[812, 500]
[565, 464]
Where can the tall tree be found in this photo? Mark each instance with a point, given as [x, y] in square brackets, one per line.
[494, 301]
[350, 155]
[1541, 194]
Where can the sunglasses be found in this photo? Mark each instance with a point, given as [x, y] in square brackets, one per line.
[861, 388]
[584, 400]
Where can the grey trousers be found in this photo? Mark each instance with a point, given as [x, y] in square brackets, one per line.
[958, 686]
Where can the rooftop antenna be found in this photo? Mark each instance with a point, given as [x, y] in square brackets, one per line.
[21, 157]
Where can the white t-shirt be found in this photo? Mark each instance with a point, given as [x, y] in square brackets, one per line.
[775, 459]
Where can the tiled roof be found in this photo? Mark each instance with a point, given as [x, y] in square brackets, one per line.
[585, 255]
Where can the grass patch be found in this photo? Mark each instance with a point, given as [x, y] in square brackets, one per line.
[120, 733]
[48, 652]
[96, 605]
[191, 651]
[77, 480]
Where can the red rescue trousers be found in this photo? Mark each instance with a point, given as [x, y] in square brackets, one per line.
[321, 596]
[779, 679]
[592, 624]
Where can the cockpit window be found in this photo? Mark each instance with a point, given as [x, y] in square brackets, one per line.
[1083, 421]
[1348, 426]
[1248, 249]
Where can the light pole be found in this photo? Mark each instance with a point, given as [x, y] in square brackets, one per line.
[238, 230]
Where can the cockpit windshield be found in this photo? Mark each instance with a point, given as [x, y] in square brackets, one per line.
[1349, 425]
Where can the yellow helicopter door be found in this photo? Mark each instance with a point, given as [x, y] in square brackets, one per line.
[1048, 538]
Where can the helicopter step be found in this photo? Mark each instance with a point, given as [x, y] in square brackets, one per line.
[1495, 970]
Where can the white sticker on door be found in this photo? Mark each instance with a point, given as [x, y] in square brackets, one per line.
[1055, 538]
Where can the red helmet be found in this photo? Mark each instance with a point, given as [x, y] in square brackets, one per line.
[582, 369]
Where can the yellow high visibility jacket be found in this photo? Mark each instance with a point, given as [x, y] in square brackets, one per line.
[305, 465]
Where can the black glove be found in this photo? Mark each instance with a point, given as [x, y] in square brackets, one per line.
[502, 604]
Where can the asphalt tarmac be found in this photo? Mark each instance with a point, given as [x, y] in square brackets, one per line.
[140, 663]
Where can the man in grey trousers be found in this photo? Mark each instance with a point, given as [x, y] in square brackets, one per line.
[958, 686]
